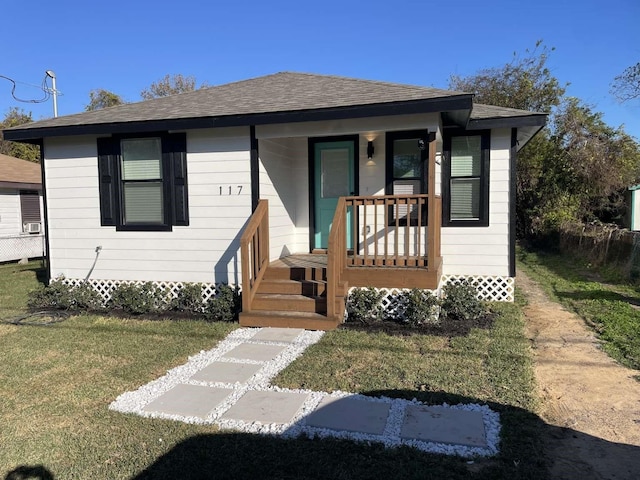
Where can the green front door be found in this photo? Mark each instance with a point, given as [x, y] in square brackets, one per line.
[333, 178]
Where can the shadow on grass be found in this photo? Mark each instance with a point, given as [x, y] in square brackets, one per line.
[607, 295]
[29, 472]
[527, 444]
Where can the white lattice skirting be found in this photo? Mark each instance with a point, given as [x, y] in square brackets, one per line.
[490, 288]
[106, 287]
[17, 247]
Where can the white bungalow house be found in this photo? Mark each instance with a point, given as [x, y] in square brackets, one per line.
[295, 186]
[21, 229]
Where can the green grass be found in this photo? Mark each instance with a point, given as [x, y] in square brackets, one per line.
[58, 380]
[608, 305]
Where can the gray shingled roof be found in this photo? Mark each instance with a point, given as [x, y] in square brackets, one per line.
[280, 92]
[483, 112]
[18, 171]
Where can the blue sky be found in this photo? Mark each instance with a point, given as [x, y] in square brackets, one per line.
[123, 46]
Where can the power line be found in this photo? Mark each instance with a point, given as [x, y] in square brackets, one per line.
[46, 90]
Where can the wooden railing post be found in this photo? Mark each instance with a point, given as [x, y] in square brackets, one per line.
[254, 252]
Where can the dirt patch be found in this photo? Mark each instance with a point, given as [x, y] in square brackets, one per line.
[593, 401]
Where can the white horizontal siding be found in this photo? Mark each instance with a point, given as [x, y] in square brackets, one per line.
[205, 251]
[484, 250]
[10, 216]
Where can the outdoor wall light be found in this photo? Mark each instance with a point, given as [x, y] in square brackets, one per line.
[370, 150]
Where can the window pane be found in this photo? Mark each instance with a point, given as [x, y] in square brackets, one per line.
[143, 203]
[465, 198]
[465, 156]
[335, 173]
[141, 159]
[406, 158]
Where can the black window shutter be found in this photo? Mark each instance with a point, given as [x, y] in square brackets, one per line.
[107, 158]
[178, 150]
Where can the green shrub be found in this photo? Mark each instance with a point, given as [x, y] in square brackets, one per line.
[225, 306]
[419, 307]
[57, 295]
[364, 305]
[84, 297]
[460, 301]
[189, 299]
[138, 299]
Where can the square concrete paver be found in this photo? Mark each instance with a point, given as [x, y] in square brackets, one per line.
[351, 414]
[227, 372]
[255, 351]
[444, 425]
[271, 334]
[266, 407]
[189, 400]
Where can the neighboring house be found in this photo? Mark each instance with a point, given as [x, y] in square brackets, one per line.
[375, 184]
[21, 229]
[632, 218]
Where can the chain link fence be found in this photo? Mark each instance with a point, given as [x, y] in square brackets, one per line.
[17, 247]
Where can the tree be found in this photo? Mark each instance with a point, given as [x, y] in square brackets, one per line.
[577, 168]
[15, 117]
[170, 85]
[525, 83]
[626, 86]
[100, 98]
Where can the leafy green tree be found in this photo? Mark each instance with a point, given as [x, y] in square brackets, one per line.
[577, 168]
[626, 86]
[100, 98]
[170, 85]
[15, 117]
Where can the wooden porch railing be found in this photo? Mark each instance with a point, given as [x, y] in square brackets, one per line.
[394, 230]
[254, 253]
[336, 255]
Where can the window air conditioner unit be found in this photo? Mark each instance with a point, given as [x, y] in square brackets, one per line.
[32, 227]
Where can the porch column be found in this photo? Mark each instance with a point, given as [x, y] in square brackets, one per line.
[431, 207]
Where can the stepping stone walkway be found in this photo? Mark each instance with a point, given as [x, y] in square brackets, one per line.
[230, 386]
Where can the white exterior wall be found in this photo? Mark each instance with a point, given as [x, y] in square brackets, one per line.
[205, 251]
[10, 215]
[484, 250]
[284, 182]
[14, 244]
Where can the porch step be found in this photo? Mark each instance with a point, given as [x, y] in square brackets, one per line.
[289, 303]
[282, 319]
[308, 288]
[295, 273]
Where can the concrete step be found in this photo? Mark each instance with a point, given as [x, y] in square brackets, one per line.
[284, 319]
[289, 303]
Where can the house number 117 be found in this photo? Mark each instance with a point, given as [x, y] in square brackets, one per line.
[229, 191]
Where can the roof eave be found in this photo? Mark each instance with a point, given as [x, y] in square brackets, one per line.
[439, 104]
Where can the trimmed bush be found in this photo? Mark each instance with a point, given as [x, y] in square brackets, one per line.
[225, 306]
[418, 307]
[460, 301]
[57, 295]
[364, 305]
[138, 299]
[84, 297]
[188, 299]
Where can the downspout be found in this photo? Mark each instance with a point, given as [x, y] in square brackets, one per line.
[47, 258]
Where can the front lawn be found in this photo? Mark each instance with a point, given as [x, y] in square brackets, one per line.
[58, 380]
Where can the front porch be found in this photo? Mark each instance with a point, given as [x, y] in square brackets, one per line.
[394, 243]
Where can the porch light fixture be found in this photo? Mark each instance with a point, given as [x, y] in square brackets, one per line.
[370, 150]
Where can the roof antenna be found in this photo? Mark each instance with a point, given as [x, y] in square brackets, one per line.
[54, 92]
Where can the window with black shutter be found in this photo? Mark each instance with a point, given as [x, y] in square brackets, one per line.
[143, 182]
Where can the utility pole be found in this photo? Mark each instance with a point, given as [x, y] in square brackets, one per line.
[54, 92]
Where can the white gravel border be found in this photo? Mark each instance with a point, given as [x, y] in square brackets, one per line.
[135, 401]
